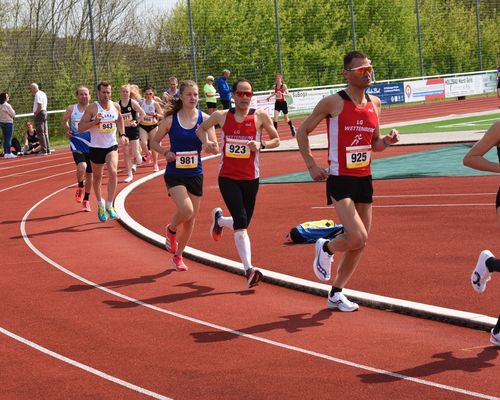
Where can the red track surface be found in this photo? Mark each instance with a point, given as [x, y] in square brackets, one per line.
[144, 344]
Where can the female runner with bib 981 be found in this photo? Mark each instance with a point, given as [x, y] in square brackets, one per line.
[184, 172]
[239, 172]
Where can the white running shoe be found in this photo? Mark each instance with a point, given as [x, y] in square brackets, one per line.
[129, 178]
[480, 276]
[138, 160]
[9, 155]
[495, 339]
[322, 265]
[133, 167]
[338, 300]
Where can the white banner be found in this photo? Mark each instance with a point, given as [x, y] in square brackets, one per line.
[302, 101]
[470, 85]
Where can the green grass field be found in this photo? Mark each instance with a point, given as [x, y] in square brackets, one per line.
[479, 123]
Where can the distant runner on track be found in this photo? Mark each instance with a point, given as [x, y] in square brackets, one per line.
[486, 263]
[79, 143]
[353, 133]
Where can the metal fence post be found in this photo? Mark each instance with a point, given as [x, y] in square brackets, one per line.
[193, 48]
[479, 49]
[92, 41]
[353, 25]
[419, 34]
[278, 41]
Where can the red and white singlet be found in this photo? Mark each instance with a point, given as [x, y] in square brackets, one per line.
[350, 138]
[238, 162]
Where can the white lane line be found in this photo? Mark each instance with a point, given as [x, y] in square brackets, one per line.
[31, 171]
[35, 180]
[420, 205]
[397, 196]
[40, 160]
[84, 367]
[229, 330]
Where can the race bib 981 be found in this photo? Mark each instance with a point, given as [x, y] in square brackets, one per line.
[186, 159]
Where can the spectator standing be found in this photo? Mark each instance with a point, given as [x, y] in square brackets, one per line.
[210, 95]
[224, 89]
[40, 113]
[7, 115]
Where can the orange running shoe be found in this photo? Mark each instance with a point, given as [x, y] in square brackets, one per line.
[79, 194]
[179, 263]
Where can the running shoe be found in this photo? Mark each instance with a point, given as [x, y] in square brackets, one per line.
[134, 167]
[170, 241]
[338, 300]
[179, 263]
[215, 228]
[138, 160]
[86, 206]
[495, 339]
[129, 178]
[480, 276]
[148, 157]
[101, 213]
[112, 213]
[294, 131]
[9, 155]
[79, 194]
[156, 168]
[254, 276]
[322, 261]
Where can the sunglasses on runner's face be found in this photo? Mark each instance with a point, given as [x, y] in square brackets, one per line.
[242, 93]
[361, 70]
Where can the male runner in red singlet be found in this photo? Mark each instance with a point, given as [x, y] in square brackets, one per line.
[353, 133]
[239, 173]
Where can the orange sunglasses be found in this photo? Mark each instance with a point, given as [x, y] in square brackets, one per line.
[242, 93]
[361, 70]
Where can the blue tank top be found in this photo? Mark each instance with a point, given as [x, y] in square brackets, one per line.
[187, 148]
[80, 141]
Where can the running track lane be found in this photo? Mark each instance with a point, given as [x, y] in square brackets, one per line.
[164, 352]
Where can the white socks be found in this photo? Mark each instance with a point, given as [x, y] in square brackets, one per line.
[242, 241]
[226, 222]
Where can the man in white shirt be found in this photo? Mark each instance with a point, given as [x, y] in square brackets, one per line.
[40, 113]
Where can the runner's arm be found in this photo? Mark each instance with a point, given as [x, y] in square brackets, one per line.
[65, 119]
[86, 122]
[475, 157]
[331, 105]
[381, 143]
[267, 123]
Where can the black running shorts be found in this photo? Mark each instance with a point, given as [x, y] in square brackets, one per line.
[80, 157]
[281, 106]
[193, 184]
[98, 155]
[359, 189]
